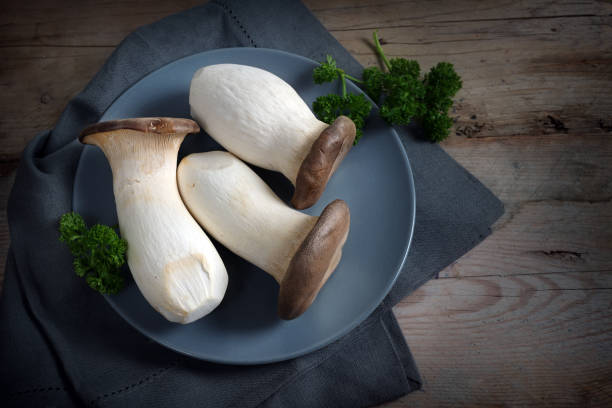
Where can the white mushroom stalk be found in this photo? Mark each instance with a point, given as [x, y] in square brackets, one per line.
[261, 119]
[173, 262]
[239, 209]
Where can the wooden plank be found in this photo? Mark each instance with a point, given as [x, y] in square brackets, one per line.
[520, 77]
[528, 340]
[36, 84]
[86, 23]
[371, 14]
[558, 198]
[535, 168]
[544, 237]
[94, 23]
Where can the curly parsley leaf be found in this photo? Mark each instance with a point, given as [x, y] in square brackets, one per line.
[442, 83]
[436, 125]
[326, 72]
[403, 100]
[403, 94]
[404, 67]
[98, 252]
[328, 107]
[373, 82]
[406, 96]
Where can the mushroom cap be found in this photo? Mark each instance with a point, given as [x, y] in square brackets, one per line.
[325, 155]
[314, 261]
[147, 125]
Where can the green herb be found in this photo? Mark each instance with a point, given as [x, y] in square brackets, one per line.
[373, 82]
[408, 96]
[402, 93]
[98, 252]
[441, 84]
[328, 107]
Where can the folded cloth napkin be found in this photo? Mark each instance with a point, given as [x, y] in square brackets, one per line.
[62, 345]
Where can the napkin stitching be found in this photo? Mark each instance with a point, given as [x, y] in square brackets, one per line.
[134, 385]
[229, 11]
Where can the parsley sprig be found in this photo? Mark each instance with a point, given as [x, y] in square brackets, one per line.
[328, 107]
[98, 252]
[403, 94]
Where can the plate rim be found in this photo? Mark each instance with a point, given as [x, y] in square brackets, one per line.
[358, 319]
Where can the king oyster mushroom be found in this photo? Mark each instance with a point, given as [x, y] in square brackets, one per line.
[173, 262]
[262, 120]
[239, 209]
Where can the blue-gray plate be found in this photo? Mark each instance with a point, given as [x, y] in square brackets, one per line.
[374, 179]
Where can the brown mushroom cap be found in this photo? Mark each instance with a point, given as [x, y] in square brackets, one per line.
[147, 125]
[314, 261]
[324, 157]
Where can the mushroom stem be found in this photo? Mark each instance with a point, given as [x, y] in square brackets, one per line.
[239, 209]
[173, 262]
[260, 118]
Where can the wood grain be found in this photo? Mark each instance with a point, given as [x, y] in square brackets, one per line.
[62, 44]
[561, 167]
[523, 319]
[31, 106]
[523, 340]
[531, 76]
[86, 23]
[557, 191]
[372, 14]
[544, 237]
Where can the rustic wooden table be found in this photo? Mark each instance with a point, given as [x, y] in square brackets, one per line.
[526, 317]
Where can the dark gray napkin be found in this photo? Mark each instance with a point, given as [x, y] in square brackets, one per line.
[62, 345]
